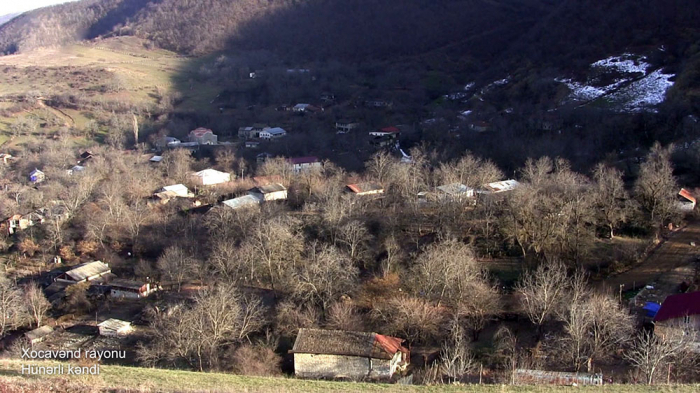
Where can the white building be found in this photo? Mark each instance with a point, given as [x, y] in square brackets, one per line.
[273, 133]
[176, 190]
[209, 177]
[454, 191]
[269, 192]
[301, 164]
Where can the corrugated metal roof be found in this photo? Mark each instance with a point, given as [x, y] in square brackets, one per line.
[270, 188]
[365, 187]
[211, 172]
[240, 202]
[178, 189]
[88, 269]
[687, 195]
[677, 306]
[124, 283]
[114, 324]
[302, 160]
[454, 189]
[501, 186]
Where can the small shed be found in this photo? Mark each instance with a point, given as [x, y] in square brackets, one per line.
[500, 186]
[347, 354]
[37, 176]
[39, 334]
[269, 192]
[114, 327]
[156, 159]
[176, 190]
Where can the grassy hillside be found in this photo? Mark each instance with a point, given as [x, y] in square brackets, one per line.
[125, 379]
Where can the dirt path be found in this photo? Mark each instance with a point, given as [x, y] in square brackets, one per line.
[672, 253]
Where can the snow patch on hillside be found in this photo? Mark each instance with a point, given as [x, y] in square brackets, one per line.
[624, 80]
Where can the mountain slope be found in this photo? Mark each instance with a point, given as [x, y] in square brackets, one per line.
[316, 28]
[6, 18]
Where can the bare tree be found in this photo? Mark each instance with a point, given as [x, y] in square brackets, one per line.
[177, 265]
[343, 315]
[456, 361]
[541, 292]
[354, 236]
[326, 275]
[650, 353]
[610, 199]
[219, 317]
[418, 320]
[12, 308]
[36, 303]
[656, 188]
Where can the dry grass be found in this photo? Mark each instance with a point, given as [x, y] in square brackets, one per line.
[133, 379]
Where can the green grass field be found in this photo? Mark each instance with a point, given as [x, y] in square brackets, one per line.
[158, 380]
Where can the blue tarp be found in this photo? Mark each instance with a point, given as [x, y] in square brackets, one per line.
[651, 308]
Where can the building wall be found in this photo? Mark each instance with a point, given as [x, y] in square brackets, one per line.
[338, 366]
[664, 327]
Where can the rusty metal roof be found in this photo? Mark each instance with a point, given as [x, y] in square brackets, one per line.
[347, 343]
[365, 187]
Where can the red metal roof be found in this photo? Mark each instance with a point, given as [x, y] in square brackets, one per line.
[200, 131]
[687, 195]
[390, 344]
[302, 160]
[677, 306]
[391, 129]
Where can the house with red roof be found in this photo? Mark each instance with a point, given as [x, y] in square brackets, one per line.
[680, 311]
[350, 355]
[203, 136]
[390, 131]
[302, 164]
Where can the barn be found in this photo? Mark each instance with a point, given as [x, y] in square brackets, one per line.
[348, 355]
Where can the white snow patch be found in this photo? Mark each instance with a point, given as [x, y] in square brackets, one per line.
[469, 86]
[648, 91]
[636, 96]
[627, 63]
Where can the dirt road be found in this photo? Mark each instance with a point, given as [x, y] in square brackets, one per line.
[674, 252]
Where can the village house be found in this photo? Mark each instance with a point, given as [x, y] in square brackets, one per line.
[348, 355]
[174, 191]
[156, 159]
[38, 335]
[203, 136]
[454, 192]
[208, 177]
[129, 289]
[114, 327]
[90, 271]
[252, 144]
[75, 170]
[5, 158]
[23, 221]
[36, 176]
[262, 157]
[390, 131]
[273, 133]
[306, 108]
[686, 201]
[499, 186]
[269, 192]
[679, 312]
[85, 157]
[242, 202]
[366, 188]
[301, 164]
[253, 131]
[345, 126]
